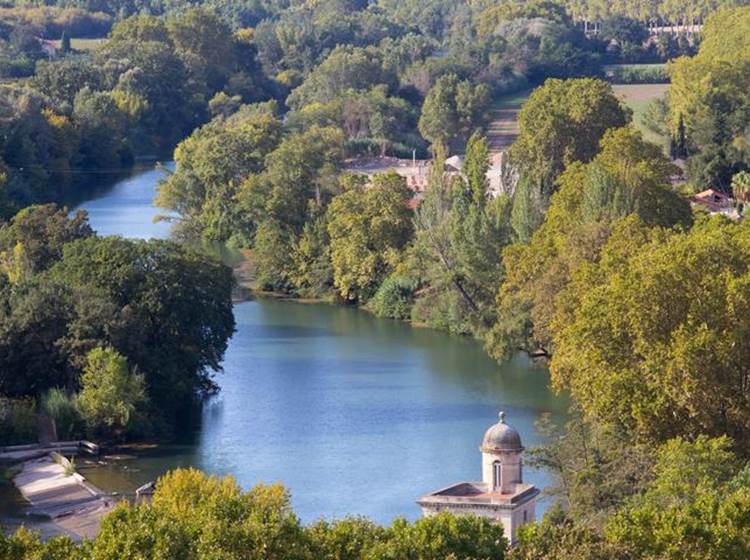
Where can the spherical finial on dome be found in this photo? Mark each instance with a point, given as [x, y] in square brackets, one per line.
[501, 437]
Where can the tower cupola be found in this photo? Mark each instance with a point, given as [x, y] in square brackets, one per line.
[502, 457]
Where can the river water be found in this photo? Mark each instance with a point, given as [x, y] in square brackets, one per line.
[354, 414]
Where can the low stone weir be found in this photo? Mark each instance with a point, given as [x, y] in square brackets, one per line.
[48, 482]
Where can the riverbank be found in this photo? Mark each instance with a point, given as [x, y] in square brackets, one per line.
[57, 501]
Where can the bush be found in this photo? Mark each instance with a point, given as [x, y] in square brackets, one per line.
[111, 394]
[62, 407]
[18, 422]
[68, 465]
[394, 298]
[637, 74]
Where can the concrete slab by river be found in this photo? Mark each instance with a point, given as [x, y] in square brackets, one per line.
[72, 505]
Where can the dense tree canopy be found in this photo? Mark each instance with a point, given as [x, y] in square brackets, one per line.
[193, 515]
[708, 99]
[452, 109]
[212, 163]
[163, 307]
[660, 361]
[368, 229]
[628, 176]
[561, 123]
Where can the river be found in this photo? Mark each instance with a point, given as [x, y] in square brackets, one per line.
[354, 414]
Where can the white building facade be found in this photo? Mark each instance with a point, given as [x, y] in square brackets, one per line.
[501, 495]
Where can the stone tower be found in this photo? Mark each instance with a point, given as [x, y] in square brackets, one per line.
[502, 463]
[501, 495]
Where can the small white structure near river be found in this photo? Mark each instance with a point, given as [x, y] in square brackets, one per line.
[502, 494]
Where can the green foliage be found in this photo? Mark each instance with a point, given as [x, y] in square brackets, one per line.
[212, 163]
[272, 250]
[637, 74]
[32, 241]
[595, 469]
[25, 545]
[708, 100]
[63, 408]
[528, 210]
[459, 236]
[443, 536]
[347, 539]
[628, 176]
[692, 510]
[345, 69]
[394, 298]
[299, 178]
[111, 394]
[561, 123]
[313, 274]
[193, 515]
[153, 295]
[559, 537]
[368, 229]
[372, 120]
[63, 79]
[741, 185]
[18, 421]
[667, 362]
[164, 307]
[68, 465]
[139, 93]
[452, 109]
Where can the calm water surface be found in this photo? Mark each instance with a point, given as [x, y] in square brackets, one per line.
[354, 414]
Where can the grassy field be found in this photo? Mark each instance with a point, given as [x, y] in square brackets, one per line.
[503, 129]
[638, 97]
[84, 44]
[656, 65]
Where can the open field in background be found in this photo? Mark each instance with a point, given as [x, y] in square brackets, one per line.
[654, 66]
[503, 128]
[638, 97]
[637, 73]
[84, 44]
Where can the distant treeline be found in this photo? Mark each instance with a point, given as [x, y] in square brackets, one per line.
[51, 22]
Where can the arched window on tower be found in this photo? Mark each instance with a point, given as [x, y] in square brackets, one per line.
[497, 474]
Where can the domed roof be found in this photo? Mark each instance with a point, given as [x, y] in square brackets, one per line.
[501, 437]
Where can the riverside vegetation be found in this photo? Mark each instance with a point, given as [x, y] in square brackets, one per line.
[594, 260]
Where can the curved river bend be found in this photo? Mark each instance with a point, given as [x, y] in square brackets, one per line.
[354, 414]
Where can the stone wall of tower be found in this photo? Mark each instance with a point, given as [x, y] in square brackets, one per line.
[511, 520]
[511, 469]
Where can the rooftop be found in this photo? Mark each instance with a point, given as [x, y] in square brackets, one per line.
[476, 494]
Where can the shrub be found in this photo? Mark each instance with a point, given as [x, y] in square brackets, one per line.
[111, 394]
[62, 407]
[394, 298]
[68, 465]
[18, 422]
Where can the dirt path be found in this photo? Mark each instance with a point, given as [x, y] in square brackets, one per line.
[503, 128]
